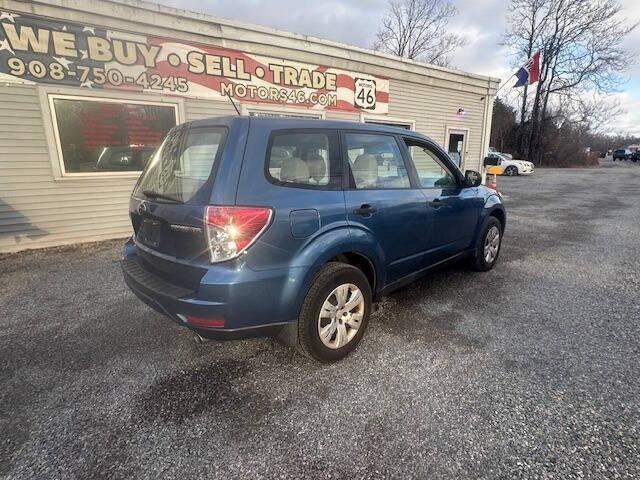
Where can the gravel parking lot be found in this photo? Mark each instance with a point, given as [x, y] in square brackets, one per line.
[530, 370]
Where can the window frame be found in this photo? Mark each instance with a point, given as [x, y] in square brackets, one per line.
[490, 155]
[286, 112]
[446, 162]
[60, 172]
[386, 121]
[466, 132]
[335, 181]
[349, 182]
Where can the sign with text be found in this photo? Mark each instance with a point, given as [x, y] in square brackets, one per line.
[41, 50]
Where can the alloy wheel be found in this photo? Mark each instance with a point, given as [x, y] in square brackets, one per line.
[491, 244]
[341, 316]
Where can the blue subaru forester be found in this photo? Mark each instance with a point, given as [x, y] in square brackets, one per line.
[249, 226]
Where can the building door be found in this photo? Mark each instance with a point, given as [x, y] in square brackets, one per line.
[456, 147]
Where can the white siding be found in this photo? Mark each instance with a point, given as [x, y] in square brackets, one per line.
[196, 109]
[36, 210]
[434, 109]
[345, 116]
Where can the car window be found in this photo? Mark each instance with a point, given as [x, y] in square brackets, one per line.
[183, 163]
[432, 173]
[197, 156]
[302, 158]
[492, 159]
[376, 161]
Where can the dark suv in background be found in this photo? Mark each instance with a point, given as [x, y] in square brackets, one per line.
[621, 154]
[255, 226]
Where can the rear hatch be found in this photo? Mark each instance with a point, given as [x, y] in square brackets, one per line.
[168, 204]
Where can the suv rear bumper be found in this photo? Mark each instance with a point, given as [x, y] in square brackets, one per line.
[245, 301]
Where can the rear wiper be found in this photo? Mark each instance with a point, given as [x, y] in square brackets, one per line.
[152, 194]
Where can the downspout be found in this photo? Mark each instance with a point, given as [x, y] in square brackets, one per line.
[486, 131]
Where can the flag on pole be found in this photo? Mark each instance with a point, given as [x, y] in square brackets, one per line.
[530, 73]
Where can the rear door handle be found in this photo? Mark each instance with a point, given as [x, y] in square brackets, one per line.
[364, 210]
[436, 203]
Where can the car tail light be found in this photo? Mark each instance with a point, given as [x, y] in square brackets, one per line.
[205, 322]
[231, 230]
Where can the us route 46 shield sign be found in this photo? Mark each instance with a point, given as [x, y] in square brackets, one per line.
[365, 93]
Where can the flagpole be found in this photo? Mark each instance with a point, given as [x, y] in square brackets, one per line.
[504, 83]
[535, 59]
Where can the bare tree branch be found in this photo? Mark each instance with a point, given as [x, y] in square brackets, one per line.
[582, 53]
[416, 29]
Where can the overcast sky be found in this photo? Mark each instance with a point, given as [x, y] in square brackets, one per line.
[355, 22]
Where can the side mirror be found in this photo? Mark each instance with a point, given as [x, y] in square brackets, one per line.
[473, 178]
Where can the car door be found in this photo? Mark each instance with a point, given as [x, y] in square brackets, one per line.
[455, 208]
[382, 203]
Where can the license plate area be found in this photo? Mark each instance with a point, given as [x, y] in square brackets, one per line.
[149, 233]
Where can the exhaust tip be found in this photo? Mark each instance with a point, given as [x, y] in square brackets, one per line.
[198, 338]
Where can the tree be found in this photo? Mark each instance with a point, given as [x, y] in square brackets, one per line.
[503, 126]
[416, 29]
[591, 115]
[583, 49]
[582, 52]
[526, 21]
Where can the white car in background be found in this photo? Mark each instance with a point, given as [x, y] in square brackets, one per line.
[510, 166]
[508, 155]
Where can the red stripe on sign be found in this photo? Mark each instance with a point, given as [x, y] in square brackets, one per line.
[346, 81]
[382, 97]
[344, 105]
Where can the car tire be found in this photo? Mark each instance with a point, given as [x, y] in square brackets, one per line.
[341, 339]
[483, 262]
[511, 171]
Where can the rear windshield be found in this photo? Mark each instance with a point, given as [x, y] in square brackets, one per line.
[182, 164]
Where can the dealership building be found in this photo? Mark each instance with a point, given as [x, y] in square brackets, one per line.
[89, 88]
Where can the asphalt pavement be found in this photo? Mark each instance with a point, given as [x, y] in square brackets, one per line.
[528, 371]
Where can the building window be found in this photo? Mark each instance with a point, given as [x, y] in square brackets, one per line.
[388, 121]
[406, 126]
[282, 115]
[268, 111]
[96, 135]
